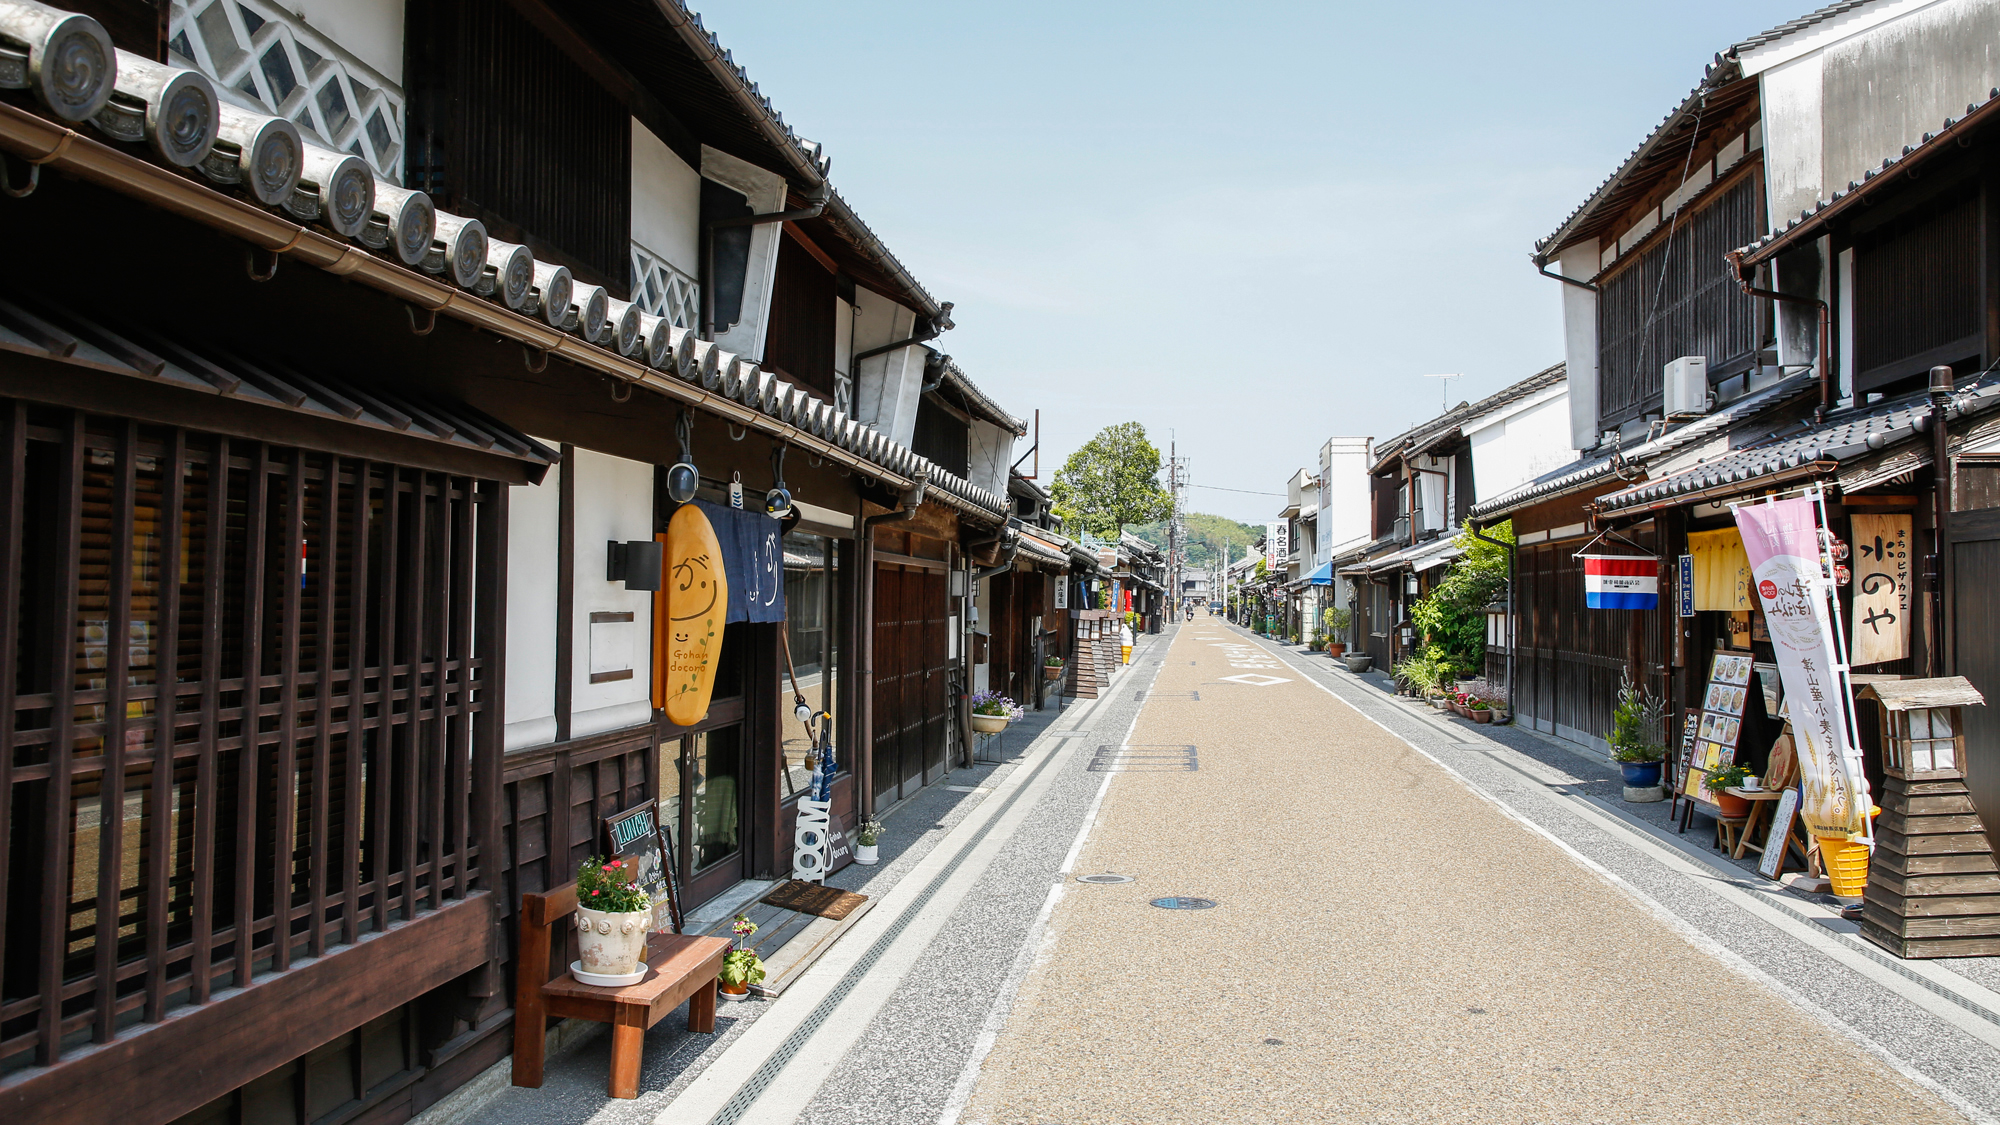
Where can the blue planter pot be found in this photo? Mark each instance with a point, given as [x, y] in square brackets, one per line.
[1640, 775]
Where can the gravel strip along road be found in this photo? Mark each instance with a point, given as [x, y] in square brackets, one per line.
[1388, 946]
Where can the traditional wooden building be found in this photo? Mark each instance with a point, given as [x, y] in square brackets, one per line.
[318, 649]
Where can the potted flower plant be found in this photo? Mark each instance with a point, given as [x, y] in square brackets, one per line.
[741, 967]
[1729, 777]
[1336, 621]
[1052, 668]
[1635, 735]
[613, 917]
[1481, 711]
[864, 842]
[991, 712]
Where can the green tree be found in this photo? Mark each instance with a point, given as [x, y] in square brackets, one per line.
[1112, 482]
[1453, 615]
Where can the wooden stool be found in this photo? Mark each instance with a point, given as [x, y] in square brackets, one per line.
[682, 967]
[1729, 832]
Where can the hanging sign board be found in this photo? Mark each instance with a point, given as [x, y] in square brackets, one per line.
[688, 634]
[1062, 591]
[1881, 589]
[1783, 541]
[1684, 584]
[635, 837]
[1621, 581]
[1277, 545]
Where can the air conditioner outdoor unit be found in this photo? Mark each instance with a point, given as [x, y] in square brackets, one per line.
[1687, 386]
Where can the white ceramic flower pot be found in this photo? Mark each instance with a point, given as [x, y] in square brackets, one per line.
[989, 724]
[611, 945]
[865, 854]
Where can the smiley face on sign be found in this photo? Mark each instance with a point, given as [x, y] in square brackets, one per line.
[689, 632]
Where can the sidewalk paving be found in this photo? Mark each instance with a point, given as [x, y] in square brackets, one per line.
[573, 1087]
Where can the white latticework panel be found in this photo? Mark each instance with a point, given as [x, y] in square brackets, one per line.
[261, 57]
[662, 290]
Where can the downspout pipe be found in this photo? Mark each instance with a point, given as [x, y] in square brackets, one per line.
[815, 203]
[1825, 357]
[913, 498]
[1005, 564]
[1542, 268]
[936, 326]
[1510, 548]
[1941, 386]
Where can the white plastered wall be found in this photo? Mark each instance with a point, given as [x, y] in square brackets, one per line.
[614, 501]
[666, 202]
[533, 515]
[370, 30]
[1514, 446]
[766, 192]
[1580, 343]
[1343, 506]
[990, 450]
[887, 386]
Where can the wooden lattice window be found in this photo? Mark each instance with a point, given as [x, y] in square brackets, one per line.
[239, 684]
[1678, 298]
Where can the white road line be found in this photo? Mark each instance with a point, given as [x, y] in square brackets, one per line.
[789, 1092]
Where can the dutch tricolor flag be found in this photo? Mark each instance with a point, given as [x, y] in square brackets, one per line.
[1621, 582]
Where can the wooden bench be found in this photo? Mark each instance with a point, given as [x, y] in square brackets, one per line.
[682, 968]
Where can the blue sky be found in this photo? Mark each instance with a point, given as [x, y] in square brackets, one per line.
[1251, 226]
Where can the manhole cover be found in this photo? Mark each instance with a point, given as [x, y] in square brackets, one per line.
[1177, 902]
[1106, 878]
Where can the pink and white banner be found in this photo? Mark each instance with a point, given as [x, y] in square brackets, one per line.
[1782, 541]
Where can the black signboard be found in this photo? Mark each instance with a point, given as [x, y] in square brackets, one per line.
[635, 836]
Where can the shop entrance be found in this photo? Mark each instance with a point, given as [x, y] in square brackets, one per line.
[704, 782]
[912, 664]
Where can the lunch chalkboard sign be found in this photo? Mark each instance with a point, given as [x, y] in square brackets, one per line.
[635, 836]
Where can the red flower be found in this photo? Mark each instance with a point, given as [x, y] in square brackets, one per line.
[616, 863]
[597, 892]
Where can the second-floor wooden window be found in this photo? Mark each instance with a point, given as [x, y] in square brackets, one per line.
[507, 128]
[800, 339]
[1917, 290]
[1677, 298]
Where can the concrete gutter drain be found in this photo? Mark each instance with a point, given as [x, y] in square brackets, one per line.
[1178, 903]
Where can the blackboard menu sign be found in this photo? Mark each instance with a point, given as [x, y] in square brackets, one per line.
[634, 836]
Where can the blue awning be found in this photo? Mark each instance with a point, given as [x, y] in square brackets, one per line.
[1321, 577]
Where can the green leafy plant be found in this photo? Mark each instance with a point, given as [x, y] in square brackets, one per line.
[1727, 777]
[1336, 619]
[1478, 704]
[869, 832]
[1421, 672]
[1053, 662]
[1453, 614]
[1637, 724]
[993, 703]
[740, 965]
[1111, 482]
[606, 884]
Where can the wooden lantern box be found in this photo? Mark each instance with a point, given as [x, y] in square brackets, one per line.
[1933, 884]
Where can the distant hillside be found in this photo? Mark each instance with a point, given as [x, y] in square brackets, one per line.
[1206, 535]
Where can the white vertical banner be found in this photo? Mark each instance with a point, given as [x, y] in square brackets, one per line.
[1782, 540]
[1277, 545]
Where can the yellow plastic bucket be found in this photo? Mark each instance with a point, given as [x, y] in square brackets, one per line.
[1846, 866]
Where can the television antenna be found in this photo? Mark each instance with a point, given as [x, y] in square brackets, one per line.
[1444, 403]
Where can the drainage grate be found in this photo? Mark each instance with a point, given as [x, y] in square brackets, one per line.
[1105, 879]
[1144, 759]
[1177, 902]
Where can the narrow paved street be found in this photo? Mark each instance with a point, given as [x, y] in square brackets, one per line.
[1414, 920]
[1386, 945]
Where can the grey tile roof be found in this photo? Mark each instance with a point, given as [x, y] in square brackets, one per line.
[1429, 432]
[1596, 467]
[1799, 24]
[982, 405]
[1844, 437]
[405, 232]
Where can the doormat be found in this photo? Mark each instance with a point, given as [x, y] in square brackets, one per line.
[811, 898]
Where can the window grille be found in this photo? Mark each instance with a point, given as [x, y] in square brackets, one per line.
[264, 58]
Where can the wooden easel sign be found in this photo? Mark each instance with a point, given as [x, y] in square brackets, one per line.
[635, 836]
[1771, 863]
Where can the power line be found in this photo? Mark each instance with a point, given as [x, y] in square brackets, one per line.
[1244, 491]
